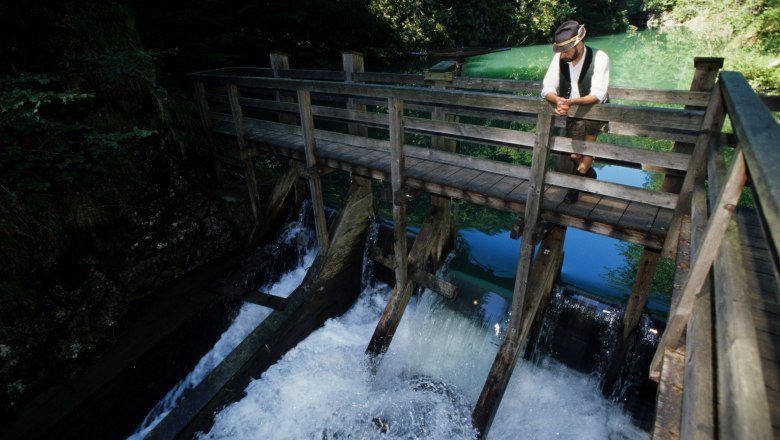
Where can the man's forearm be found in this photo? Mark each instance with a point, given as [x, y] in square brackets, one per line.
[584, 100]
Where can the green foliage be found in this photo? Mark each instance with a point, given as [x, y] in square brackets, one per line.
[624, 276]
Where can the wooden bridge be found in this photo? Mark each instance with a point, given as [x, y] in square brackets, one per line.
[717, 362]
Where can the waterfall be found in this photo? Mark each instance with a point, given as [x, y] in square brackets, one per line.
[281, 268]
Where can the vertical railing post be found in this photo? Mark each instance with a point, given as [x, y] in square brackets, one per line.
[249, 167]
[396, 305]
[281, 61]
[203, 104]
[396, 110]
[504, 363]
[353, 63]
[315, 183]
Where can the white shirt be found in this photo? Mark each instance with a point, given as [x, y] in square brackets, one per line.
[598, 85]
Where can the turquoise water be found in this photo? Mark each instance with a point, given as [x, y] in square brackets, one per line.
[648, 59]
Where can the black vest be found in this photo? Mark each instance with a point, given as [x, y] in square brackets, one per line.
[586, 76]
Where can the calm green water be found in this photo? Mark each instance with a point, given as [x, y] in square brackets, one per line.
[648, 59]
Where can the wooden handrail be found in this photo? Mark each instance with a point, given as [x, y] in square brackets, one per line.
[758, 134]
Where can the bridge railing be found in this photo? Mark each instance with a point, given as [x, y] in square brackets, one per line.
[718, 327]
[468, 104]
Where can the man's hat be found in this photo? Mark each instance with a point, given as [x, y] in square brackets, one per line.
[568, 35]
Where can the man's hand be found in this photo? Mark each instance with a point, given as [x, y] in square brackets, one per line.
[562, 106]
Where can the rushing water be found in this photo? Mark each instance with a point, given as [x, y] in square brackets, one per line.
[298, 243]
[427, 383]
[426, 386]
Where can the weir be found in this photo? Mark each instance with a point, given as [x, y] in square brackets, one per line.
[716, 365]
[363, 123]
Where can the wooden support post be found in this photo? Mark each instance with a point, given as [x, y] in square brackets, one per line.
[444, 204]
[505, 360]
[698, 400]
[281, 61]
[546, 268]
[705, 255]
[397, 164]
[388, 322]
[249, 166]
[203, 104]
[419, 276]
[669, 400]
[276, 203]
[353, 63]
[704, 79]
[396, 305]
[315, 184]
[631, 316]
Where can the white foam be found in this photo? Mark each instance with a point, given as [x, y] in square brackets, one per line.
[247, 319]
[425, 387]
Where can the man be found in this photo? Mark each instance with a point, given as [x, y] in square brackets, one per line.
[578, 75]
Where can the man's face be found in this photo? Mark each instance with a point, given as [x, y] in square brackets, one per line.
[572, 54]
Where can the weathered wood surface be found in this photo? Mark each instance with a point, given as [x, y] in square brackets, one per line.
[498, 185]
[758, 133]
[240, 132]
[698, 405]
[519, 323]
[338, 270]
[712, 124]
[252, 296]
[419, 276]
[705, 255]
[744, 409]
[668, 405]
[312, 169]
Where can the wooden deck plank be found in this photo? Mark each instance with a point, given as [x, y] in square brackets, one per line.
[484, 182]
[609, 210]
[459, 183]
[495, 188]
[506, 185]
[638, 216]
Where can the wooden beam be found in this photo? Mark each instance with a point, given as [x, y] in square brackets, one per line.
[640, 290]
[280, 63]
[706, 70]
[698, 404]
[203, 106]
[419, 276]
[711, 126]
[397, 164]
[742, 402]
[396, 305]
[505, 360]
[315, 184]
[252, 296]
[758, 134]
[713, 236]
[249, 166]
[307, 309]
[353, 63]
[668, 404]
